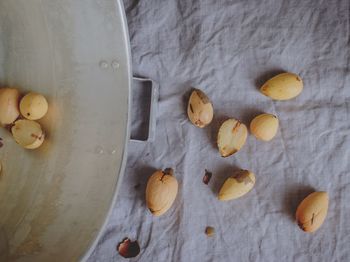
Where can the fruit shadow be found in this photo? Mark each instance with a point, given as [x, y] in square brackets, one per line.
[248, 115]
[220, 175]
[138, 181]
[266, 76]
[292, 198]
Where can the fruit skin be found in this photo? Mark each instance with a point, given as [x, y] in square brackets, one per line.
[161, 191]
[232, 136]
[237, 185]
[283, 86]
[9, 100]
[264, 126]
[312, 211]
[28, 133]
[33, 106]
[199, 109]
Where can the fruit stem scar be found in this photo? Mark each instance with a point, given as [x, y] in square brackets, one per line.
[167, 172]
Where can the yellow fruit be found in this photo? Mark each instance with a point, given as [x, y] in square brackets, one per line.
[283, 86]
[9, 111]
[28, 134]
[264, 126]
[33, 106]
[200, 110]
[239, 184]
[312, 211]
[161, 191]
[231, 137]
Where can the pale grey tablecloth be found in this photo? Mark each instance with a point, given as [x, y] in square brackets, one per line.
[228, 48]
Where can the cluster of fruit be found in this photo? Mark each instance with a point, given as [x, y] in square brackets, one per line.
[19, 114]
[162, 186]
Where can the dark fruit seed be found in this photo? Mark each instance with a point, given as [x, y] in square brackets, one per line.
[209, 231]
[207, 176]
[128, 249]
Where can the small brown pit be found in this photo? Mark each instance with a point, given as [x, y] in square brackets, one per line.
[207, 176]
[209, 231]
[298, 79]
[28, 114]
[191, 108]
[128, 248]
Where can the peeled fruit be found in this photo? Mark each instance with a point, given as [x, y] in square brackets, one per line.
[9, 111]
[200, 110]
[239, 184]
[312, 211]
[283, 86]
[33, 106]
[264, 126]
[161, 191]
[28, 133]
[231, 137]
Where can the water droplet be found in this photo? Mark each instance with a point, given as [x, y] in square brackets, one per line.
[99, 150]
[103, 64]
[115, 64]
[113, 152]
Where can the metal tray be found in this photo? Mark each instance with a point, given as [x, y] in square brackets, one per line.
[55, 200]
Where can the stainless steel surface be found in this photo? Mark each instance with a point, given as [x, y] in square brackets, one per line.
[54, 201]
[152, 112]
